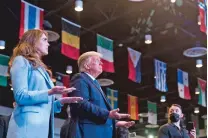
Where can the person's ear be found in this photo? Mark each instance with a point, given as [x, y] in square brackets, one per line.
[182, 115]
[87, 66]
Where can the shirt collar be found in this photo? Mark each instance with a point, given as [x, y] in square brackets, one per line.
[90, 76]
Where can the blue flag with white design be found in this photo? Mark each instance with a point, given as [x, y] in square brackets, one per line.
[160, 76]
[112, 96]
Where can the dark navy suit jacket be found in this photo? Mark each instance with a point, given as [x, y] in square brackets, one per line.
[89, 118]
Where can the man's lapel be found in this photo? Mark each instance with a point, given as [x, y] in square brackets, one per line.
[98, 87]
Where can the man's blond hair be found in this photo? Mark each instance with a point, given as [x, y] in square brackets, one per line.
[84, 57]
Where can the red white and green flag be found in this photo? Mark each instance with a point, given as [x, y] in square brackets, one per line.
[152, 112]
[4, 60]
[203, 94]
[105, 47]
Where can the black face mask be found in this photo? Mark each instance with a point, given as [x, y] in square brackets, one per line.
[174, 117]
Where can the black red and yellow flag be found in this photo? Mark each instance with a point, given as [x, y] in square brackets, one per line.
[70, 39]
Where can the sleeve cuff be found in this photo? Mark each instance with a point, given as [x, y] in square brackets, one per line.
[58, 106]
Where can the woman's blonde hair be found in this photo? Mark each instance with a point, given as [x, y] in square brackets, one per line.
[27, 48]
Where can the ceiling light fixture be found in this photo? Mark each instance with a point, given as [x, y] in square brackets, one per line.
[2, 44]
[78, 5]
[172, 1]
[199, 63]
[69, 69]
[162, 99]
[196, 110]
[197, 91]
[120, 45]
[148, 39]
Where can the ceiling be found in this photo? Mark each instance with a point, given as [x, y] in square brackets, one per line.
[173, 27]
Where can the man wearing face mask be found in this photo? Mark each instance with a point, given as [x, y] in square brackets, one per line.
[173, 129]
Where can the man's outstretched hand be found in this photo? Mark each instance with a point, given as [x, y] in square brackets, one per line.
[125, 124]
[115, 115]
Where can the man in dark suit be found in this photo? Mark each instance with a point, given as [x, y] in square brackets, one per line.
[93, 117]
[4, 122]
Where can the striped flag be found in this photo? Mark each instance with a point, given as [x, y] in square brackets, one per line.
[112, 96]
[152, 112]
[160, 76]
[203, 15]
[134, 60]
[105, 47]
[31, 17]
[70, 39]
[203, 94]
[133, 107]
[4, 60]
[183, 85]
[62, 80]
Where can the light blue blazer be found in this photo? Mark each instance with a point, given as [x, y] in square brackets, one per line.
[30, 118]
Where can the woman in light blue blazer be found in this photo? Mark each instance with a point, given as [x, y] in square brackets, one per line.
[33, 89]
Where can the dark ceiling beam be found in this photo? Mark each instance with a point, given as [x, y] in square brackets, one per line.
[180, 28]
[109, 20]
[191, 4]
[186, 32]
[52, 12]
[198, 35]
[111, 11]
[103, 13]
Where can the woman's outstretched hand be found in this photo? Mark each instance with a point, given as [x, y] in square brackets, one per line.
[60, 90]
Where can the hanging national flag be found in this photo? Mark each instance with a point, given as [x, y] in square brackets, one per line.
[183, 85]
[4, 60]
[105, 47]
[203, 15]
[203, 94]
[112, 96]
[160, 76]
[62, 80]
[133, 107]
[134, 59]
[152, 113]
[70, 39]
[195, 120]
[31, 17]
